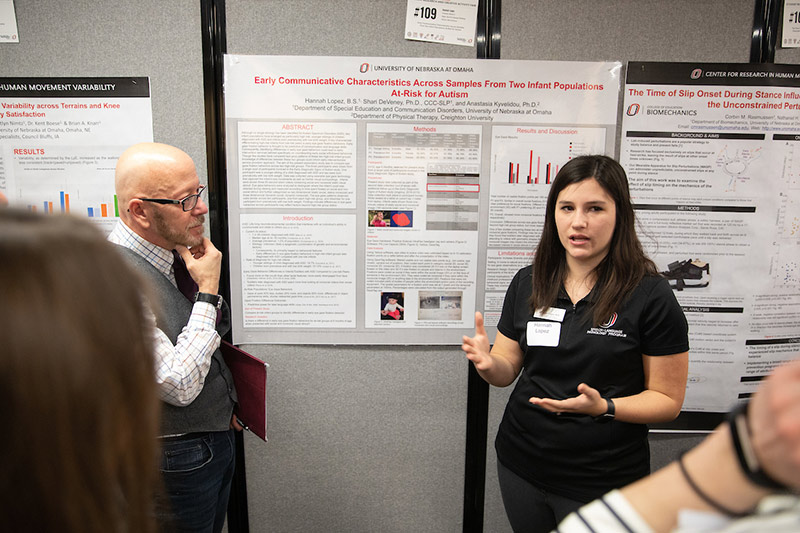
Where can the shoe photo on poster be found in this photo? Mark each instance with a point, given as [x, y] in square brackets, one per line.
[688, 274]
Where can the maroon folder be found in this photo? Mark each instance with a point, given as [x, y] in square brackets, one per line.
[250, 378]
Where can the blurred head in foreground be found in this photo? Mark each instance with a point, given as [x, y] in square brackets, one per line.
[77, 387]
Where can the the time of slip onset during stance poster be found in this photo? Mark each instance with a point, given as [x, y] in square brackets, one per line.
[712, 153]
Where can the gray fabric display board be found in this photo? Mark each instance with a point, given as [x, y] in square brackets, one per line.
[361, 438]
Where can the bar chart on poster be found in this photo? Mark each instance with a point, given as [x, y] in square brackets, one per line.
[60, 139]
[524, 162]
[533, 155]
[68, 179]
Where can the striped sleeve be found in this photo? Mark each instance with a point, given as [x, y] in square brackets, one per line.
[181, 369]
[610, 514]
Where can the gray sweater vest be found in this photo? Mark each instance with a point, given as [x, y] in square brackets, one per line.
[213, 407]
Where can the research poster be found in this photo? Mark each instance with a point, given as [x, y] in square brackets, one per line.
[712, 152]
[60, 139]
[385, 200]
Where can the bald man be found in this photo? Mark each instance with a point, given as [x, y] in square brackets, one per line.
[160, 232]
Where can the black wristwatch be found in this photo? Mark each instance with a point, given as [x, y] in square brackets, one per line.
[740, 434]
[608, 416]
[213, 299]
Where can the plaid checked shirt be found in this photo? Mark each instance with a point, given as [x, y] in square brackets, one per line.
[181, 368]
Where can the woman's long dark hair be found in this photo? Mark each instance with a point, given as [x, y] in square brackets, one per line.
[77, 381]
[625, 264]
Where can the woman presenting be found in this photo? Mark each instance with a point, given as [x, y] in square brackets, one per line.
[599, 343]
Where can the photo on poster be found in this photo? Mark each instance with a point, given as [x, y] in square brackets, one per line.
[392, 306]
[440, 305]
[377, 218]
[385, 218]
[401, 219]
[689, 273]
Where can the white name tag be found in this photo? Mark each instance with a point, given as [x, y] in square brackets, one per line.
[551, 313]
[543, 333]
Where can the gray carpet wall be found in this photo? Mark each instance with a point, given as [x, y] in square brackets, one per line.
[362, 438]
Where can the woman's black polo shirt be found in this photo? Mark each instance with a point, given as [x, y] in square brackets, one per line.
[572, 455]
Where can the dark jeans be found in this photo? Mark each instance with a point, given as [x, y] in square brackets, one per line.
[529, 508]
[196, 470]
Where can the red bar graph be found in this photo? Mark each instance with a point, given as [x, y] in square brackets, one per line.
[533, 177]
[530, 168]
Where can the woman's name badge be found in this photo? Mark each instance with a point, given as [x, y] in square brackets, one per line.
[543, 333]
[551, 313]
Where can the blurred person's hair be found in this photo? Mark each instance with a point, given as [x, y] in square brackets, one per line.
[77, 387]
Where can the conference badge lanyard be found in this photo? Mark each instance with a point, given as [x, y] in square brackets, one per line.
[545, 333]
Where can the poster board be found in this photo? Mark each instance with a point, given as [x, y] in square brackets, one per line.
[385, 200]
[712, 152]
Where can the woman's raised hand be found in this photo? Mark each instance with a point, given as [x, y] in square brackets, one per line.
[477, 347]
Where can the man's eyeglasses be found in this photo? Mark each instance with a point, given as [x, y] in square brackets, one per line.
[187, 204]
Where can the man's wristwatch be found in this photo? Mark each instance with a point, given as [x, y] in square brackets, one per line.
[213, 299]
[608, 416]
